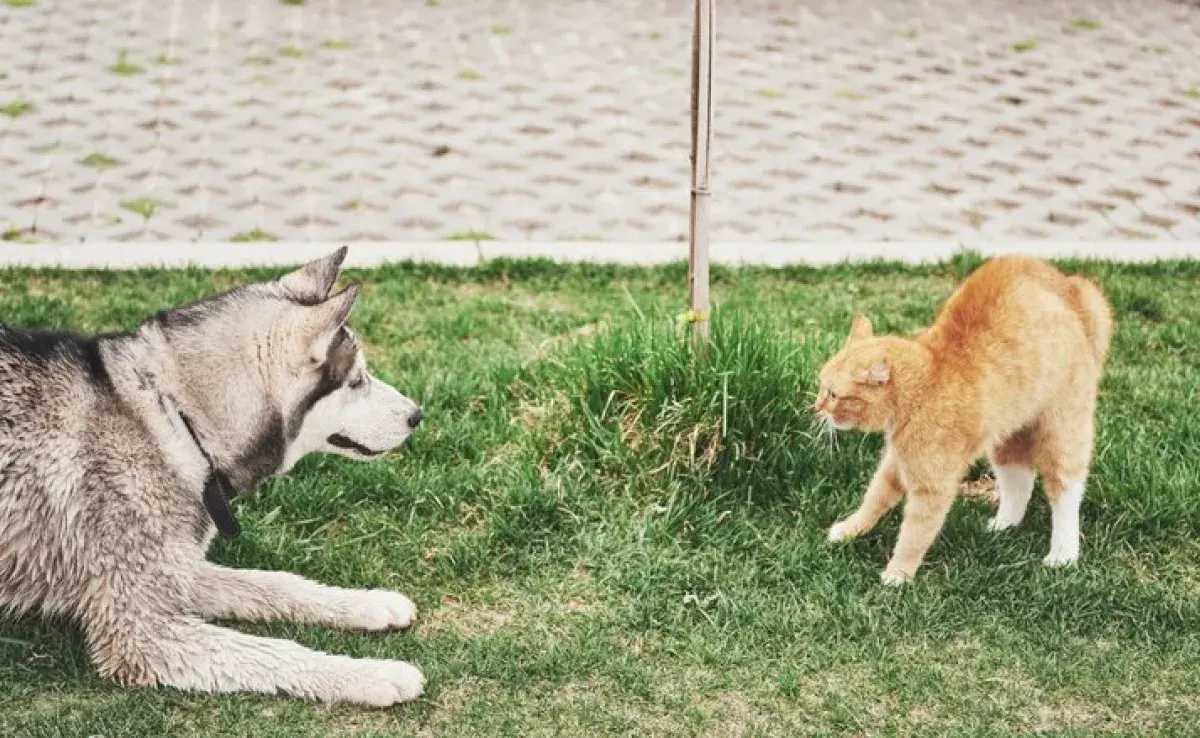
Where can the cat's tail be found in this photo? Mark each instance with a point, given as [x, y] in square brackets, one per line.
[1088, 301]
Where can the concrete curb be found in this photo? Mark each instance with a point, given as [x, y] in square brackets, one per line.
[472, 253]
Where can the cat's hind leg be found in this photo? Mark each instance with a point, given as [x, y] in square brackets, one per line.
[1064, 452]
[1013, 461]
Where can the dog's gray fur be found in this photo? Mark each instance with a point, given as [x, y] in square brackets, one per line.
[110, 446]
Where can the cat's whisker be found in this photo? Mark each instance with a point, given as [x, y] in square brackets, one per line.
[823, 431]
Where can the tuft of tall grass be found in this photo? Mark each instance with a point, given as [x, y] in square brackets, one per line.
[649, 416]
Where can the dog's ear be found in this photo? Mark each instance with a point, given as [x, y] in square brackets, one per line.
[860, 328]
[324, 321]
[314, 281]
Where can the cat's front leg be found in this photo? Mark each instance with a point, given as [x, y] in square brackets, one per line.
[924, 514]
[884, 491]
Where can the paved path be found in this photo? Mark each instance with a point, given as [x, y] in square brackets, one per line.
[320, 120]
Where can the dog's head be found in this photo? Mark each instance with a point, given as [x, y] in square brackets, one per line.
[337, 405]
[272, 372]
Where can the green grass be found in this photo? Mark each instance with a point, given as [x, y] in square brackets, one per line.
[143, 206]
[469, 236]
[98, 160]
[253, 236]
[20, 3]
[292, 52]
[125, 68]
[1027, 45]
[1086, 24]
[608, 535]
[16, 108]
[469, 75]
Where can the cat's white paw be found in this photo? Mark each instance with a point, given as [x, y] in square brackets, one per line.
[1057, 559]
[842, 531]
[377, 683]
[998, 523]
[894, 578]
[379, 609]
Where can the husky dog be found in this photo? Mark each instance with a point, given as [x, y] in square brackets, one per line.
[118, 456]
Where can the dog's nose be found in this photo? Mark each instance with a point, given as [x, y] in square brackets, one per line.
[415, 419]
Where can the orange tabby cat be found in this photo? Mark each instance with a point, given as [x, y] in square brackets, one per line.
[1011, 368]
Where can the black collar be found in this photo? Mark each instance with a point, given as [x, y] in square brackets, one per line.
[218, 490]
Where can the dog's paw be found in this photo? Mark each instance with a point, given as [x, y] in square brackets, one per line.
[842, 531]
[379, 609]
[378, 683]
[895, 578]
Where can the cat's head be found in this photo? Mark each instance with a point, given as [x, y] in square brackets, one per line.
[856, 384]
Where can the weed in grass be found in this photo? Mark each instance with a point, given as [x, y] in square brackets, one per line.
[20, 3]
[469, 236]
[12, 233]
[291, 52]
[16, 108]
[1027, 45]
[1085, 24]
[469, 75]
[125, 68]
[1193, 92]
[293, 3]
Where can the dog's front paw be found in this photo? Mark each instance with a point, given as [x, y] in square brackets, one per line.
[379, 609]
[378, 683]
[895, 577]
[843, 530]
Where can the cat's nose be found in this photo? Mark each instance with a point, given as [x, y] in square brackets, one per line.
[415, 418]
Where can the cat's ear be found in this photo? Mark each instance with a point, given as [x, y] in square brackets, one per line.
[860, 328]
[879, 373]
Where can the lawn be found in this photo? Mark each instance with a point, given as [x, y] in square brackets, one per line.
[607, 536]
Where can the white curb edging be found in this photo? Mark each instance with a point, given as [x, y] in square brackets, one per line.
[472, 253]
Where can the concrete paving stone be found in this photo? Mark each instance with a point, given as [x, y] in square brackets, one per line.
[329, 121]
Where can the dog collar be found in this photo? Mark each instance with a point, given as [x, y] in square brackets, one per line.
[218, 490]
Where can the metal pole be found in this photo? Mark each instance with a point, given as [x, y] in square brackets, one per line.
[702, 52]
